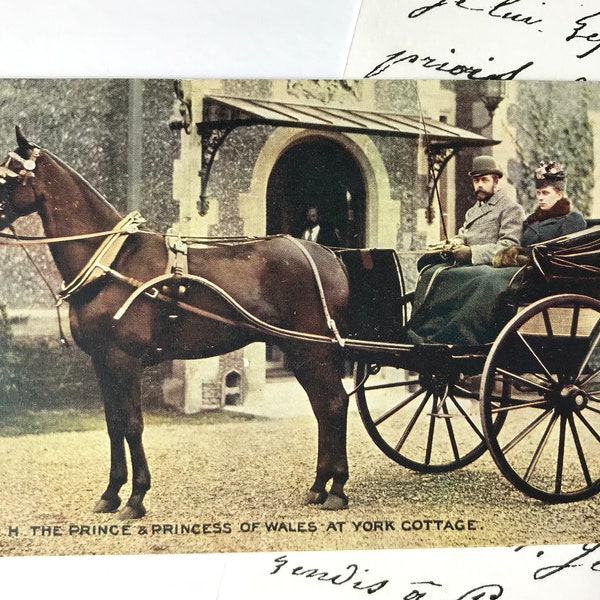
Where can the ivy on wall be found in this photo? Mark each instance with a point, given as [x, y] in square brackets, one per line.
[552, 123]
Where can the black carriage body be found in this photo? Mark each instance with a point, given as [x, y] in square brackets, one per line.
[379, 311]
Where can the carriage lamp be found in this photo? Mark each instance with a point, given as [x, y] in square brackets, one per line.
[491, 93]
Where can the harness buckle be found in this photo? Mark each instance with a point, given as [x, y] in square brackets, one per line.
[175, 242]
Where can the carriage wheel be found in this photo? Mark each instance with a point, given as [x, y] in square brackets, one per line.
[422, 423]
[549, 355]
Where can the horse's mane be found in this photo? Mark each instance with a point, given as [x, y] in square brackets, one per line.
[82, 179]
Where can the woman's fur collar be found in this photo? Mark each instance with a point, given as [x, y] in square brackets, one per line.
[560, 209]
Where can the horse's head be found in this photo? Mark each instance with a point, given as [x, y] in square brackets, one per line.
[17, 193]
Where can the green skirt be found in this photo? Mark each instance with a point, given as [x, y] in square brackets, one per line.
[465, 305]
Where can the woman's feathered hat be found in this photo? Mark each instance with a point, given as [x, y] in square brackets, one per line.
[551, 173]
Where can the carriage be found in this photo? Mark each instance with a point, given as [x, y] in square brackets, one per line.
[531, 396]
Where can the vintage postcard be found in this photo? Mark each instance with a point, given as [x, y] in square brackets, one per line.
[246, 252]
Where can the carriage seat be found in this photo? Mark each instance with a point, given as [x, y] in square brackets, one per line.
[569, 264]
[377, 310]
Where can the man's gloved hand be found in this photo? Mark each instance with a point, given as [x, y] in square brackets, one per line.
[462, 254]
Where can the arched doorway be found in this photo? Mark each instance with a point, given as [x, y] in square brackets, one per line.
[317, 171]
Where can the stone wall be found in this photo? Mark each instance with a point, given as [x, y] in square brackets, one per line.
[86, 123]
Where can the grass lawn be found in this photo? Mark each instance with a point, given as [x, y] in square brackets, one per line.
[54, 421]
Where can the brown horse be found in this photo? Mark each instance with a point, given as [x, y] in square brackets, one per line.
[271, 278]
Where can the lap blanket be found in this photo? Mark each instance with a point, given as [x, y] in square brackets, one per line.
[463, 305]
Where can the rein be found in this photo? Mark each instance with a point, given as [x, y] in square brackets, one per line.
[12, 239]
[7, 239]
[61, 333]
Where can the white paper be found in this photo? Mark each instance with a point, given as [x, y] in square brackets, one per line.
[527, 573]
[188, 38]
[476, 39]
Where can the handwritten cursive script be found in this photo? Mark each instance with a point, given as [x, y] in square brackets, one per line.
[470, 39]
[497, 11]
[348, 577]
[583, 32]
[581, 560]
[444, 66]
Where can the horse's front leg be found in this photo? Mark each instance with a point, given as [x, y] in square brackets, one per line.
[119, 376]
[329, 401]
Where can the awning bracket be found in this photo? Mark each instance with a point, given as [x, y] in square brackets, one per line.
[212, 135]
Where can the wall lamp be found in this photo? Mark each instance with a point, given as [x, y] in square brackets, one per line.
[491, 93]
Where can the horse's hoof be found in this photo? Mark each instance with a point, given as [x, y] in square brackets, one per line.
[315, 497]
[132, 512]
[107, 506]
[334, 502]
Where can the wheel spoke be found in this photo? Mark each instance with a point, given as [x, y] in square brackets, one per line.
[589, 426]
[584, 362]
[580, 453]
[431, 431]
[467, 418]
[547, 323]
[590, 377]
[536, 386]
[395, 409]
[500, 404]
[525, 432]
[517, 405]
[412, 422]
[575, 321]
[540, 448]
[561, 456]
[536, 357]
[385, 386]
[466, 393]
[451, 434]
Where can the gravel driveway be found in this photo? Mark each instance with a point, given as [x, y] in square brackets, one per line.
[238, 486]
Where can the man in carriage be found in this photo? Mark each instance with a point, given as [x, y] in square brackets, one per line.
[494, 222]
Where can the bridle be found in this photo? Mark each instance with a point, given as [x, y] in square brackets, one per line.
[26, 170]
[23, 174]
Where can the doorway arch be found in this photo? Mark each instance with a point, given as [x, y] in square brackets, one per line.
[317, 171]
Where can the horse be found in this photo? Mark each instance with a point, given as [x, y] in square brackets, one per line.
[233, 293]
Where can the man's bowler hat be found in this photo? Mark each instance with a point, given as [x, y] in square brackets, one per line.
[485, 165]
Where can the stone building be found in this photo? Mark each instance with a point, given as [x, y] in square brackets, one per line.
[256, 154]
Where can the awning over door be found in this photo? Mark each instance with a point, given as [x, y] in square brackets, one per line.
[223, 114]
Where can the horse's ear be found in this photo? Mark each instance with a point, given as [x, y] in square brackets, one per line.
[23, 142]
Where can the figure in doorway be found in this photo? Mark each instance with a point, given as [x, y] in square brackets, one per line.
[317, 230]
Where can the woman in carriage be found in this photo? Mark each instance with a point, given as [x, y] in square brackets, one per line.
[553, 218]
